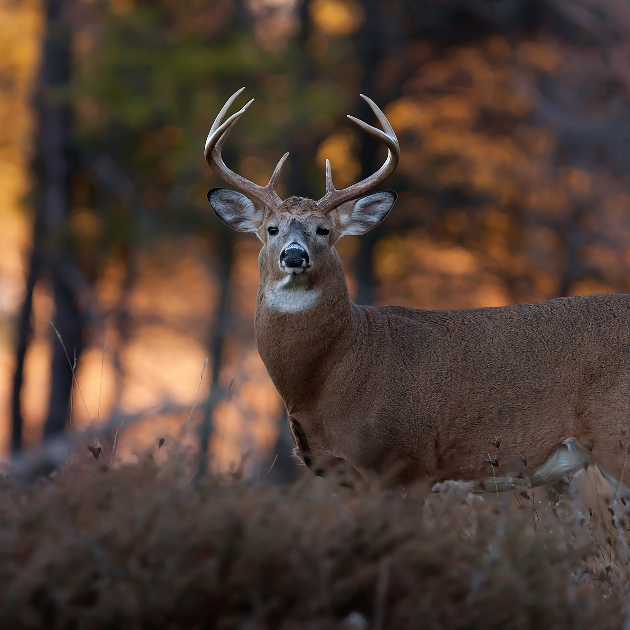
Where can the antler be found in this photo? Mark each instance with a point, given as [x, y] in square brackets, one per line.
[219, 131]
[334, 197]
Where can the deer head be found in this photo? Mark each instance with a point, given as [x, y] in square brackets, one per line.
[298, 234]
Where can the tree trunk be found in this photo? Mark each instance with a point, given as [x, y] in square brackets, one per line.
[300, 142]
[217, 336]
[24, 335]
[53, 166]
[69, 323]
[371, 50]
[57, 166]
[572, 239]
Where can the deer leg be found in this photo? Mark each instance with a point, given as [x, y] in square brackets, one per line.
[338, 471]
[568, 460]
[302, 450]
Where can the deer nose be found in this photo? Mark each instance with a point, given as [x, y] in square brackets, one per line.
[294, 255]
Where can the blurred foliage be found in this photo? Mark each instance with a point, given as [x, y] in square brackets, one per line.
[151, 78]
[509, 119]
[512, 117]
[20, 33]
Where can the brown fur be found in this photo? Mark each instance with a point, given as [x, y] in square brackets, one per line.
[421, 392]
[403, 393]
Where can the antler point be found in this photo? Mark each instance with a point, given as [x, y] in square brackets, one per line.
[212, 150]
[334, 197]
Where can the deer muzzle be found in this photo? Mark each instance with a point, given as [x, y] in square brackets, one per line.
[294, 256]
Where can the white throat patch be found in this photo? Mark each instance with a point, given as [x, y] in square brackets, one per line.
[291, 296]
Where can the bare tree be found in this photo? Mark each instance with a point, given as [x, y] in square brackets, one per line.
[225, 257]
[54, 164]
[374, 44]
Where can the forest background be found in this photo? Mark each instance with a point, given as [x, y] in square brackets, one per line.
[514, 123]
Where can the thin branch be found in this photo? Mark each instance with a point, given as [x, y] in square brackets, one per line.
[115, 444]
[205, 364]
[270, 467]
[100, 385]
[63, 345]
[381, 593]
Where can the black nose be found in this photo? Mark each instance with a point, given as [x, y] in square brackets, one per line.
[294, 255]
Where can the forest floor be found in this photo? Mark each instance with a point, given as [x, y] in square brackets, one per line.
[146, 546]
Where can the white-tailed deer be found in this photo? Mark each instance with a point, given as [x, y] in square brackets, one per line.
[414, 393]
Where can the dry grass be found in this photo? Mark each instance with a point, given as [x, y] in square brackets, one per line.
[135, 547]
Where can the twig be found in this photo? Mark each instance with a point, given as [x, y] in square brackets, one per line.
[203, 371]
[623, 470]
[115, 444]
[74, 367]
[535, 516]
[497, 444]
[621, 533]
[221, 434]
[601, 514]
[270, 467]
[100, 385]
[511, 483]
[191, 477]
[496, 487]
[63, 345]
[71, 405]
[381, 593]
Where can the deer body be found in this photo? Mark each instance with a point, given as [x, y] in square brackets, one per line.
[406, 393]
[381, 386]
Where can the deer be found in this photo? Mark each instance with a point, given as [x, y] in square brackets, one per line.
[536, 392]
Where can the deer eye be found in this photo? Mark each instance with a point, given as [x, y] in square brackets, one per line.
[322, 231]
[272, 230]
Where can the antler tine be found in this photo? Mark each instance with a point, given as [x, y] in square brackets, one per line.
[217, 130]
[273, 180]
[333, 197]
[380, 115]
[221, 114]
[391, 143]
[217, 136]
[330, 187]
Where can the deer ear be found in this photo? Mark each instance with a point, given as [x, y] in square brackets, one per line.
[235, 209]
[361, 215]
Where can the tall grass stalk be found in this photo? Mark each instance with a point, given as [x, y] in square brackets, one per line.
[72, 368]
[203, 371]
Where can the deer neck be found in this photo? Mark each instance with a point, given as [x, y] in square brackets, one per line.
[303, 331]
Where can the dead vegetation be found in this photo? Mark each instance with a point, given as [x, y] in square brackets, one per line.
[141, 547]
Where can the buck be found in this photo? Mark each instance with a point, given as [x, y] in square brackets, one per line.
[404, 394]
